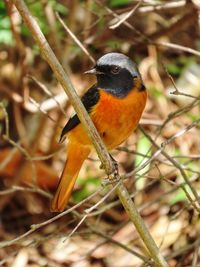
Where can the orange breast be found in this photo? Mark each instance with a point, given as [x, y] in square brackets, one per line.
[115, 118]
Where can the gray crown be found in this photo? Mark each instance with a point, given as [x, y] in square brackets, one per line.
[119, 60]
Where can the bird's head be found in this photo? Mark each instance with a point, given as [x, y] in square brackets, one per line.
[116, 73]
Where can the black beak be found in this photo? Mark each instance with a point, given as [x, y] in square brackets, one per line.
[93, 71]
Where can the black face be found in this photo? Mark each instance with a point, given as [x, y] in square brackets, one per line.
[115, 79]
[116, 74]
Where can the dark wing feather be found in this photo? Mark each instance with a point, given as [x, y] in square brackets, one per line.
[89, 99]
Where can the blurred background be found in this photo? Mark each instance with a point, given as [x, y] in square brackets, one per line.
[163, 38]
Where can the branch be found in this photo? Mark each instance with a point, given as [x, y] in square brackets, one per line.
[16, 188]
[47, 92]
[179, 167]
[126, 16]
[35, 227]
[110, 239]
[178, 47]
[163, 6]
[75, 39]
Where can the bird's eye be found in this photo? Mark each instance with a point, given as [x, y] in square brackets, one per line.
[115, 69]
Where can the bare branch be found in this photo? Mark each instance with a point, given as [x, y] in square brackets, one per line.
[163, 6]
[75, 39]
[126, 16]
[178, 47]
[15, 188]
[178, 166]
[48, 92]
[37, 226]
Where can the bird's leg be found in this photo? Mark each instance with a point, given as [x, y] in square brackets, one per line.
[114, 163]
[113, 177]
[116, 171]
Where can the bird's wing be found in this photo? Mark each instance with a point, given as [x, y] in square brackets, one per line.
[89, 99]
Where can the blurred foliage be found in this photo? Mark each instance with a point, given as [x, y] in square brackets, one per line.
[144, 148]
[5, 31]
[88, 186]
[177, 65]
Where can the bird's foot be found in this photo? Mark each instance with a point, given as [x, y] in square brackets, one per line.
[111, 179]
[116, 168]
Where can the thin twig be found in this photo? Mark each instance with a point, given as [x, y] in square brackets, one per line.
[48, 92]
[181, 132]
[178, 47]
[15, 188]
[178, 112]
[75, 39]
[162, 6]
[126, 16]
[140, 226]
[126, 23]
[35, 227]
[177, 92]
[178, 166]
[89, 210]
[36, 104]
[75, 228]
[110, 239]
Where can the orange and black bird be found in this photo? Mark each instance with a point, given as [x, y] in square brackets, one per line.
[115, 104]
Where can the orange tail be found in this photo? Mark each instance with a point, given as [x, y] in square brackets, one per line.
[76, 156]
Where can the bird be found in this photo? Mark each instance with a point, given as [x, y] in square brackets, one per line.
[115, 104]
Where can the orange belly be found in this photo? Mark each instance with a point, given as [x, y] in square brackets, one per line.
[114, 118]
